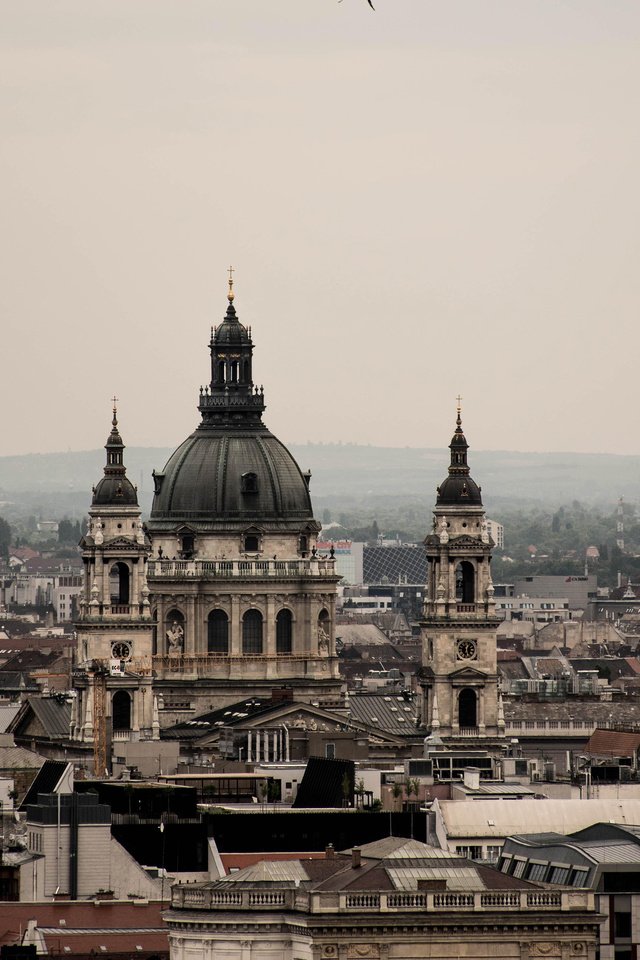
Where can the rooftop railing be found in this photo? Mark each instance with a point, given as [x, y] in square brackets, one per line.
[190, 897]
[241, 569]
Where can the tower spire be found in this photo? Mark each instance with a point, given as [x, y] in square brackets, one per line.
[230, 294]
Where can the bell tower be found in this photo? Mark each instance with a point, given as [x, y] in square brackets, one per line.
[459, 676]
[113, 678]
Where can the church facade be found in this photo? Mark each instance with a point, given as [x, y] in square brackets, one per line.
[223, 594]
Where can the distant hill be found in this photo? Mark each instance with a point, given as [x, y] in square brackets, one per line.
[59, 483]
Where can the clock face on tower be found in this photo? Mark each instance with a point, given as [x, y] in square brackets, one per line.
[467, 650]
[120, 650]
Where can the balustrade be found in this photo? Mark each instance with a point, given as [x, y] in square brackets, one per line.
[189, 897]
[242, 569]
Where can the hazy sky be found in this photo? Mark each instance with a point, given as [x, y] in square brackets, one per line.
[438, 197]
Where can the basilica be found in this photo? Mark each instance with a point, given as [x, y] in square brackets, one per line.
[223, 594]
[223, 598]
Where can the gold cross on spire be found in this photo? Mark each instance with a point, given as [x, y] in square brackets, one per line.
[230, 294]
[459, 402]
[114, 400]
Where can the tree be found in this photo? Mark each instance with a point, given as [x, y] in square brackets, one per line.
[68, 531]
[347, 789]
[397, 790]
[360, 792]
[5, 538]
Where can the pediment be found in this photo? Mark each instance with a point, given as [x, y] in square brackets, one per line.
[465, 541]
[121, 543]
[468, 673]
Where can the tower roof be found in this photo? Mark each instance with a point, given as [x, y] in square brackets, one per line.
[231, 471]
[459, 488]
[115, 488]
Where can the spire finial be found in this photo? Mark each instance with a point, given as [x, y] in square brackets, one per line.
[230, 294]
[459, 410]
[114, 401]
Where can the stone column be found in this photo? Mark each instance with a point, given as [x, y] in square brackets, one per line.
[249, 746]
[271, 667]
[134, 586]
[135, 711]
[236, 628]
[191, 648]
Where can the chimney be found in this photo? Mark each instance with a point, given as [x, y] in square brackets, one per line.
[355, 857]
[329, 852]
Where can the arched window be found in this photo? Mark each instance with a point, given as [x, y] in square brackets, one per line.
[284, 632]
[121, 710]
[119, 583]
[303, 545]
[468, 708]
[233, 370]
[174, 632]
[218, 632]
[465, 582]
[220, 376]
[245, 371]
[252, 632]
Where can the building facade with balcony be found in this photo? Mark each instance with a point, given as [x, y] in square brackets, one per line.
[459, 674]
[394, 899]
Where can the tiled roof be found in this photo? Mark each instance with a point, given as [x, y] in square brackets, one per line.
[391, 713]
[389, 864]
[228, 716]
[85, 927]
[504, 818]
[54, 713]
[612, 743]
[17, 758]
[362, 634]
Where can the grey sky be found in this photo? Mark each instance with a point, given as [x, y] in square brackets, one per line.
[434, 198]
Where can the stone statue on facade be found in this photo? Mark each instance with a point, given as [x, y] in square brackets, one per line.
[175, 638]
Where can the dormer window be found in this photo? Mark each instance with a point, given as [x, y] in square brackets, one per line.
[187, 545]
[249, 483]
[251, 543]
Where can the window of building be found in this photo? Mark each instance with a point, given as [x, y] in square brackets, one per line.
[119, 583]
[471, 852]
[218, 632]
[251, 543]
[537, 871]
[330, 751]
[252, 632]
[579, 878]
[493, 852]
[284, 632]
[187, 545]
[621, 917]
[121, 710]
[519, 868]
[559, 874]
[249, 483]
